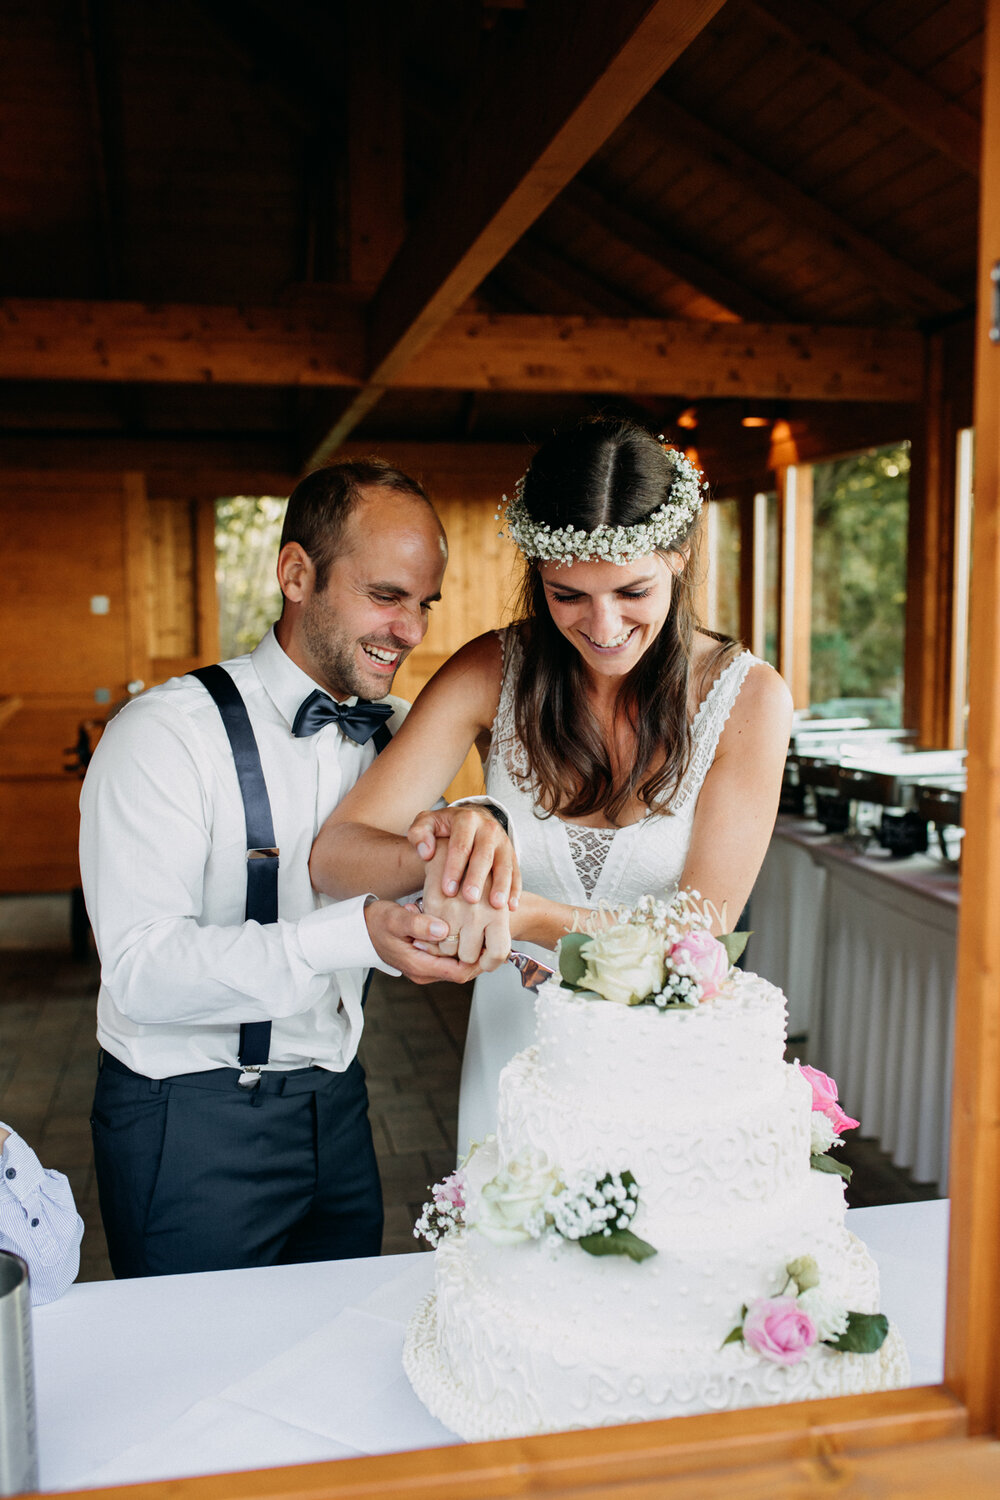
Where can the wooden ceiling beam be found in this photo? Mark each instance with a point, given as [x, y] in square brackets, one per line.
[123, 341]
[670, 358]
[897, 280]
[867, 66]
[180, 343]
[535, 121]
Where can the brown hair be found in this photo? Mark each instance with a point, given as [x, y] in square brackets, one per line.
[319, 506]
[605, 471]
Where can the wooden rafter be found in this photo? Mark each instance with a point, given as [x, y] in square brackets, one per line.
[549, 281]
[375, 220]
[100, 81]
[867, 66]
[652, 244]
[898, 281]
[124, 341]
[580, 81]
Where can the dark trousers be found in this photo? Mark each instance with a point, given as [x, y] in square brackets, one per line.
[195, 1173]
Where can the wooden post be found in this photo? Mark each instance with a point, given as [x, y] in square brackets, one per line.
[795, 511]
[927, 664]
[972, 1358]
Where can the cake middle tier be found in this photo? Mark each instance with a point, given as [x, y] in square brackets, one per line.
[692, 1290]
[749, 1150]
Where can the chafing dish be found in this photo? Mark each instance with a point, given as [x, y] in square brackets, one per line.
[890, 781]
[940, 801]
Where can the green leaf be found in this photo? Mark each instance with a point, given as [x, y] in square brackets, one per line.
[866, 1332]
[572, 966]
[618, 1242]
[734, 1337]
[823, 1163]
[734, 943]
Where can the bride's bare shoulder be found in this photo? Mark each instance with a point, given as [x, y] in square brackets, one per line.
[474, 672]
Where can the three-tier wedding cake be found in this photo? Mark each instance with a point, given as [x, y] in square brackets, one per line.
[657, 1227]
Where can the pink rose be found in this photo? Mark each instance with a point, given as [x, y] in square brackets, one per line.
[451, 1190]
[824, 1092]
[823, 1087]
[777, 1329]
[839, 1120]
[705, 958]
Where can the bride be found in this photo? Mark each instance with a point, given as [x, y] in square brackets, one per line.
[631, 751]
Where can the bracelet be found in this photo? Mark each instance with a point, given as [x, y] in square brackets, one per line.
[497, 813]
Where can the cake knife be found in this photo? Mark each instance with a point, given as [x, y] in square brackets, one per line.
[531, 971]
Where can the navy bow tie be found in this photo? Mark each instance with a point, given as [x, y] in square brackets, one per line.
[358, 721]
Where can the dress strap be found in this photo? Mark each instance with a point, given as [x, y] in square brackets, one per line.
[504, 742]
[709, 722]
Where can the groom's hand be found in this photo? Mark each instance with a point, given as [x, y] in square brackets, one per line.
[396, 933]
[480, 861]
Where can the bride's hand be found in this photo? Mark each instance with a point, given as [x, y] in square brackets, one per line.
[479, 931]
[480, 862]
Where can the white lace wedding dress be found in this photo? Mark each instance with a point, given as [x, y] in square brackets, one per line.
[581, 866]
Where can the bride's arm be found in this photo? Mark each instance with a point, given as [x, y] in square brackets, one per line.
[738, 802]
[363, 846]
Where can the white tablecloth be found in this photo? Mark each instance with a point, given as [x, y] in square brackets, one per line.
[878, 938]
[181, 1375]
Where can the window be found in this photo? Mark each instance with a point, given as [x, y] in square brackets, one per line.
[860, 513]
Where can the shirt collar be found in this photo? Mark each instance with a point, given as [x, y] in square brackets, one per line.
[285, 683]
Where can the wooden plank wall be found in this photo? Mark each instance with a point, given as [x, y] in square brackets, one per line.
[466, 484]
[147, 547]
[104, 589]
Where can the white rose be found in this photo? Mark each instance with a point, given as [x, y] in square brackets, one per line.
[509, 1199]
[625, 965]
[822, 1134]
[829, 1315]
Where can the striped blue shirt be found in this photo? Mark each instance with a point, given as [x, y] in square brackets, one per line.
[38, 1219]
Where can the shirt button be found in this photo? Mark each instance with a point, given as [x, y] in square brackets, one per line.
[35, 1223]
[11, 1172]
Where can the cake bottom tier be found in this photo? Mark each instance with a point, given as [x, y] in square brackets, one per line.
[514, 1387]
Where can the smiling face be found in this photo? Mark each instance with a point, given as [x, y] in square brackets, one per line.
[352, 635]
[611, 612]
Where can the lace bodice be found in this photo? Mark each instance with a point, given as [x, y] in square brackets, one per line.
[587, 866]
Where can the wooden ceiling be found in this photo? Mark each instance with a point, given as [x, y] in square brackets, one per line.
[472, 219]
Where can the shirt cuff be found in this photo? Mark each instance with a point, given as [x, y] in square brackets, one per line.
[337, 937]
[21, 1173]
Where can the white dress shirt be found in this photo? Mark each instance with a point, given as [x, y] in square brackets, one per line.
[163, 860]
[38, 1219]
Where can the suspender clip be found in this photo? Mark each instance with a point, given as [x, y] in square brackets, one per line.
[249, 1076]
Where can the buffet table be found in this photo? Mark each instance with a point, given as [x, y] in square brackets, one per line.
[182, 1375]
[864, 948]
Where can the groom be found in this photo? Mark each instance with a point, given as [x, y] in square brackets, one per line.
[230, 1115]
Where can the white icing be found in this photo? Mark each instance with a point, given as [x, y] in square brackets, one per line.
[714, 1125]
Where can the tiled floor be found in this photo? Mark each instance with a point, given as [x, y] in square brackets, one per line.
[412, 1053]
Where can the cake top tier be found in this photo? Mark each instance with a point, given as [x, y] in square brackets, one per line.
[730, 1045]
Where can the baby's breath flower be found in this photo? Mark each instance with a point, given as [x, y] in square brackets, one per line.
[614, 544]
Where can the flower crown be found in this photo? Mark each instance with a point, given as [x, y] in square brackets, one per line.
[614, 544]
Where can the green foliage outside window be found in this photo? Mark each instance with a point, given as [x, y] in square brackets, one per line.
[247, 529]
[860, 509]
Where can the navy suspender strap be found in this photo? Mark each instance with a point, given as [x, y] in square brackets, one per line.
[262, 854]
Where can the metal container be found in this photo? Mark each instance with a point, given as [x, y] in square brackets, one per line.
[18, 1446]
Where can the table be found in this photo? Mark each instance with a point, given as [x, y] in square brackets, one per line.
[864, 948]
[181, 1375]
